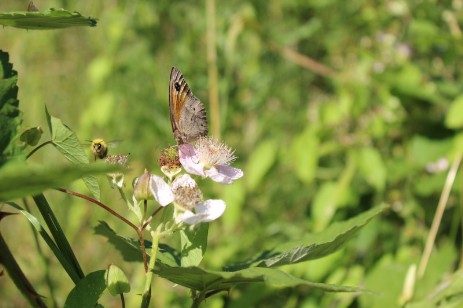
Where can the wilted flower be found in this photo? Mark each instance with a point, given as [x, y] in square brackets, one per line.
[117, 178]
[169, 162]
[188, 198]
[209, 158]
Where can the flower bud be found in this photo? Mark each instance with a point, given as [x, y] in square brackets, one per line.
[141, 190]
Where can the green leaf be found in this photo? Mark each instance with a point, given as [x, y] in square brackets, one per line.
[304, 152]
[68, 144]
[18, 179]
[372, 167]
[9, 111]
[314, 246]
[49, 19]
[87, 291]
[68, 267]
[57, 232]
[130, 248]
[454, 118]
[194, 244]
[324, 205]
[116, 281]
[31, 136]
[447, 294]
[262, 158]
[205, 280]
[18, 277]
[425, 150]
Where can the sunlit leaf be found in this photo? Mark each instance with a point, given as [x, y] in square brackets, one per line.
[305, 154]
[454, 118]
[68, 144]
[314, 246]
[372, 167]
[49, 19]
[193, 244]
[205, 280]
[116, 281]
[262, 158]
[18, 179]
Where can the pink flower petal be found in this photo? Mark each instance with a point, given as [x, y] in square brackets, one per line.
[206, 211]
[224, 174]
[189, 159]
[161, 190]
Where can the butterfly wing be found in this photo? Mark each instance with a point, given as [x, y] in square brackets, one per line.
[187, 113]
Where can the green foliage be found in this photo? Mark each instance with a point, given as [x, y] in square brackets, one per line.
[18, 179]
[9, 111]
[31, 136]
[64, 139]
[87, 292]
[333, 107]
[203, 280]
[116, 281]
[188, 273]
[193, 243]
[49, 19]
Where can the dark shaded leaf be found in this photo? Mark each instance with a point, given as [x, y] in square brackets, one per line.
[130, 248]
[87, 291]
[31, 136]
[9, 111]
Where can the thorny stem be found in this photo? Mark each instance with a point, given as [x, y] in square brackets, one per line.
[111, 211]
[151, 217]
[143, 250]
[137, 229]
[38, 147]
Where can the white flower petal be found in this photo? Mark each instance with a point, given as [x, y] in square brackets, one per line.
[206, 211]
[189, 159]
[161, 190]
[224, 174]
[185, 180]
[212, 208]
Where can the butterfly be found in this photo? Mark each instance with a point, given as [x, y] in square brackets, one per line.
[187, 113]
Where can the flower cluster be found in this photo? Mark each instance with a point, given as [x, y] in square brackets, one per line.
[208, 158]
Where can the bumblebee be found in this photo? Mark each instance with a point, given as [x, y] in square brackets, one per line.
[99, 148]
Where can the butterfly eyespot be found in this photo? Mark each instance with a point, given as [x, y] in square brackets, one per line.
[177, 86]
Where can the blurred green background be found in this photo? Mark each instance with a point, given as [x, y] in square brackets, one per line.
[333, 107]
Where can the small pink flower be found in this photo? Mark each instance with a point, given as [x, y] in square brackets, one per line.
[186, 195]
[209, 158]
